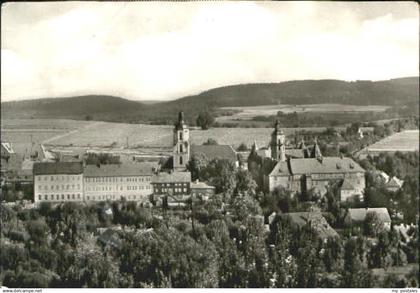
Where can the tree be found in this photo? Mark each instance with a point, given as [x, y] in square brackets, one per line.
[205, 120]
[242, 148]
[245, 184]
[210, 141]
[372, 225]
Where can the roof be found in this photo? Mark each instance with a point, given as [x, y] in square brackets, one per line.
[326, 165]
[264, 152]
[125, 169]
[110, 237]
[7, 146]
[49, 168]
[164, 177]
[201, 185]
[395, 182]
[359, 215]
[295, 153]
[316, 220]
[211, 152]
[281, 168]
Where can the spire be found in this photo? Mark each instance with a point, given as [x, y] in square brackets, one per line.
[180, 124]
[255, 146]
[302, 145]
[316, 152]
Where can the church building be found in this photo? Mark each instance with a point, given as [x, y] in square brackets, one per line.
[303, 169]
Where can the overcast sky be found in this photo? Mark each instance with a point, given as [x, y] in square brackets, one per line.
[166, 50]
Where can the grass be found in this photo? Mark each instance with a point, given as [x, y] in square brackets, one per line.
[247, 113]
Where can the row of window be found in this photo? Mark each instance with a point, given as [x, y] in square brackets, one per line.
[173, 184]
[118, 179]
[59, 187]
[110, 188]
[60, 196]
[163, 190]
[60, 177]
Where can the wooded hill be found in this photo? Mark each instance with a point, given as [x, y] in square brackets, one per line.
[394, 92]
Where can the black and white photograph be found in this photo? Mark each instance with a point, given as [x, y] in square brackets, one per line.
[209, 144]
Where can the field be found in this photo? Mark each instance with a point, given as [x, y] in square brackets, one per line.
[406, 141]
[247, 113]
[140, 137]
[21, 132]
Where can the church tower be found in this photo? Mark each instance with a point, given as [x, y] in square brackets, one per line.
[181, 153]
[278, 141]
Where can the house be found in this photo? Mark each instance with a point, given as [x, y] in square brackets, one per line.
[394, 184]
[173, 183]
[222, 152]
[58, 181]
[315, 219]
[358, 216]
[202, 190]
[131, 181]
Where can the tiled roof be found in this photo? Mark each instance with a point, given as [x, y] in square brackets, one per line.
[359, 215]
[49, 168]
[225, 152]
[295, 153]
[326, 165]
[317, 222]
[164, 177]
[126, 169]
[281, 168]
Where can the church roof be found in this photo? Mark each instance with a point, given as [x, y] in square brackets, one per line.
[211, 152]
[327, 165]
[295, 153]
[173, 177]
[281, 168]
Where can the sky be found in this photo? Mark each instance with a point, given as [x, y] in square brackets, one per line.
[167, 50]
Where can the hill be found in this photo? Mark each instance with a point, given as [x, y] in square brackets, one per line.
[394, 92]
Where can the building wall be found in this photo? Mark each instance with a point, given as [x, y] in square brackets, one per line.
[275, 181]
[203, 193]
[100, 188]
[58, 188]
[177, 188]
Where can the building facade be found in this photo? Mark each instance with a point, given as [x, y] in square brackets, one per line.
[58, 181]
[117, 181]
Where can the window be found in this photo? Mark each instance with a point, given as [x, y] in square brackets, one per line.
[181, 148]
[87, 197]
[78, 195]
[58, 197]
[72, 196]
[180, 136]
[52, 178]
[52, 197]
[45, 197]
[39, 197]
[62, 196]
[180, 160]
[68, 196]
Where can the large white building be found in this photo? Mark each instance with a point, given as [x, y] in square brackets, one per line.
[58, 181]
[117, 181]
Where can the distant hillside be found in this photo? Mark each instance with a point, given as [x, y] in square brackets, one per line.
[402, 91]
[389, 92]
[97, 106]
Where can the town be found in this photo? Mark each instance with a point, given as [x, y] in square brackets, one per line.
[287, 190]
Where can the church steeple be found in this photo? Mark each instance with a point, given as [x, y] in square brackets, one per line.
[181, 152]
[316, 152]
[277, 144]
